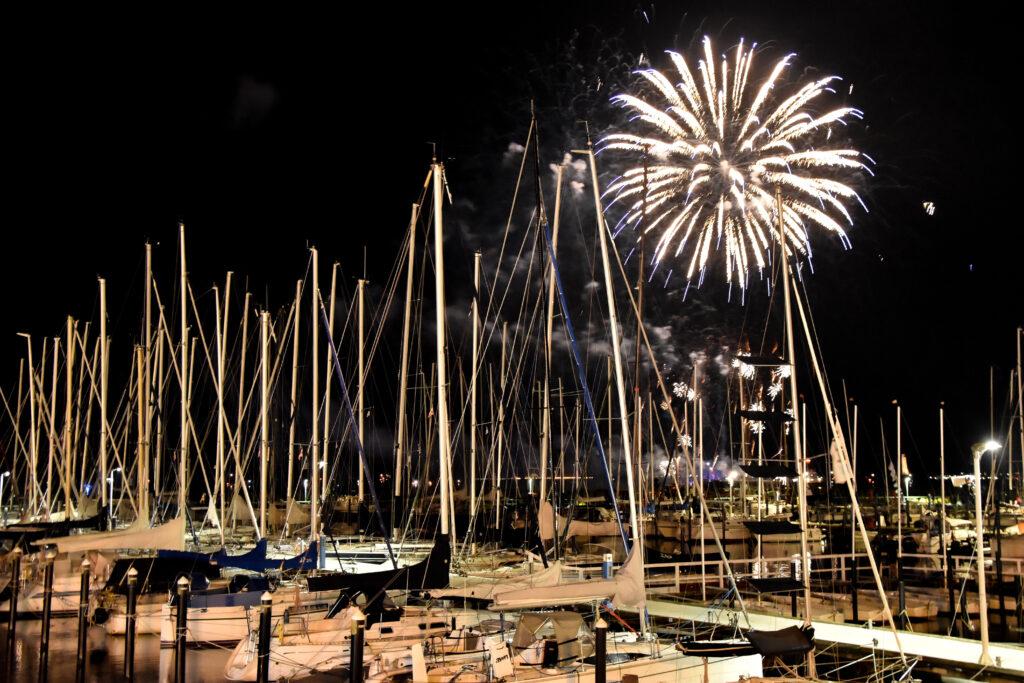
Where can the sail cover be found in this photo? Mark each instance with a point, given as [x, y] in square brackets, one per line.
[254, 560]
[626, 589]
[793, 640]
[430, 573]
[170, 536]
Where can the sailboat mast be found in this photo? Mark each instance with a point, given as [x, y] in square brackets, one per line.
[328, 384]
[239, 478]
[314, 445]
[616, 346]
[797, 446]
[360, 400]
[442, 375]
[147, 382]
[218, 484]
[293, 407]
[67, 416]
[499, 454]
[183, 455]
[51, 435]
[140, 474]
[264, 422]
[545, 443]
[477, 259]
[403, 382]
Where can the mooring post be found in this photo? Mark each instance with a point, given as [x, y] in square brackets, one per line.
[263, 644]
[356, 667]
[130, 623]
[794, 569]
[83, 619]
[12, 616]
[854, 597]
[44, 635]
[600, 651]
[181, 631]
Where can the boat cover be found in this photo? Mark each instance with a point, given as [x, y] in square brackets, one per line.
[566, 627]
[432, 572]
[254, 560]
[772, 528]
[793, 640]
[576, 527]
[489, 588]
[30, 532]
[625, 589]
[779, 584]
[160, 574]
[138, 536]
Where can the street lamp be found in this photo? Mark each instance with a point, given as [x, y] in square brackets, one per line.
[110, 499]
[732, 480]
[977, 449]
[2, 477]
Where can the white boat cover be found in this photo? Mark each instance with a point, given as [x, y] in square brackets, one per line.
[169, 536]
[576, 527]
[479, 588]
[625, 589]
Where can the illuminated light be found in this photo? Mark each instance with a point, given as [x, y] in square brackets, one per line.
[716, 147]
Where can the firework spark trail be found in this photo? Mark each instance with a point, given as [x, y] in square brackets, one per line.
[716, 151]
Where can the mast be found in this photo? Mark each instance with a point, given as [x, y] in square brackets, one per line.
[67, 417]
[545, 438]
[314, 446]
[140, 474]
[183, 455]
[294, 407]
[104, 435]
[942, 493]
[477, 259]
[222, 419]
[51, 436]
[264, 422]
[616, 346]
[501, 429]
[159, 405]
[147, 384]
[239, 477]
[798, 447]
[403, 382]
[360, 394]
[1020, 405]
[442, 374]
[218, 484]
[328, 384]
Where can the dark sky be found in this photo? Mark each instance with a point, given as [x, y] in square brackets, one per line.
[265, 133]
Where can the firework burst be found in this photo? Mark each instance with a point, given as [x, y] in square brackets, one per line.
[716, 150]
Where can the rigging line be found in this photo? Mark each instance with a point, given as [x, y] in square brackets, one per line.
[508, 223]
[355, 430]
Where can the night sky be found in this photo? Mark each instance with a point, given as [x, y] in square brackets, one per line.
[267, 133]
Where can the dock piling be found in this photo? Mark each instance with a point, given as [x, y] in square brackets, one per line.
[12, 616]
[263, 644]
[181, 631]
[83, 621]
[356, 667]
[130, 623]
[44, 635]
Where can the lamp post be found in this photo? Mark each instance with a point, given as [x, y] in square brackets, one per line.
[110, 498]
[2, 478]
[732, 480]
[977, 449]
